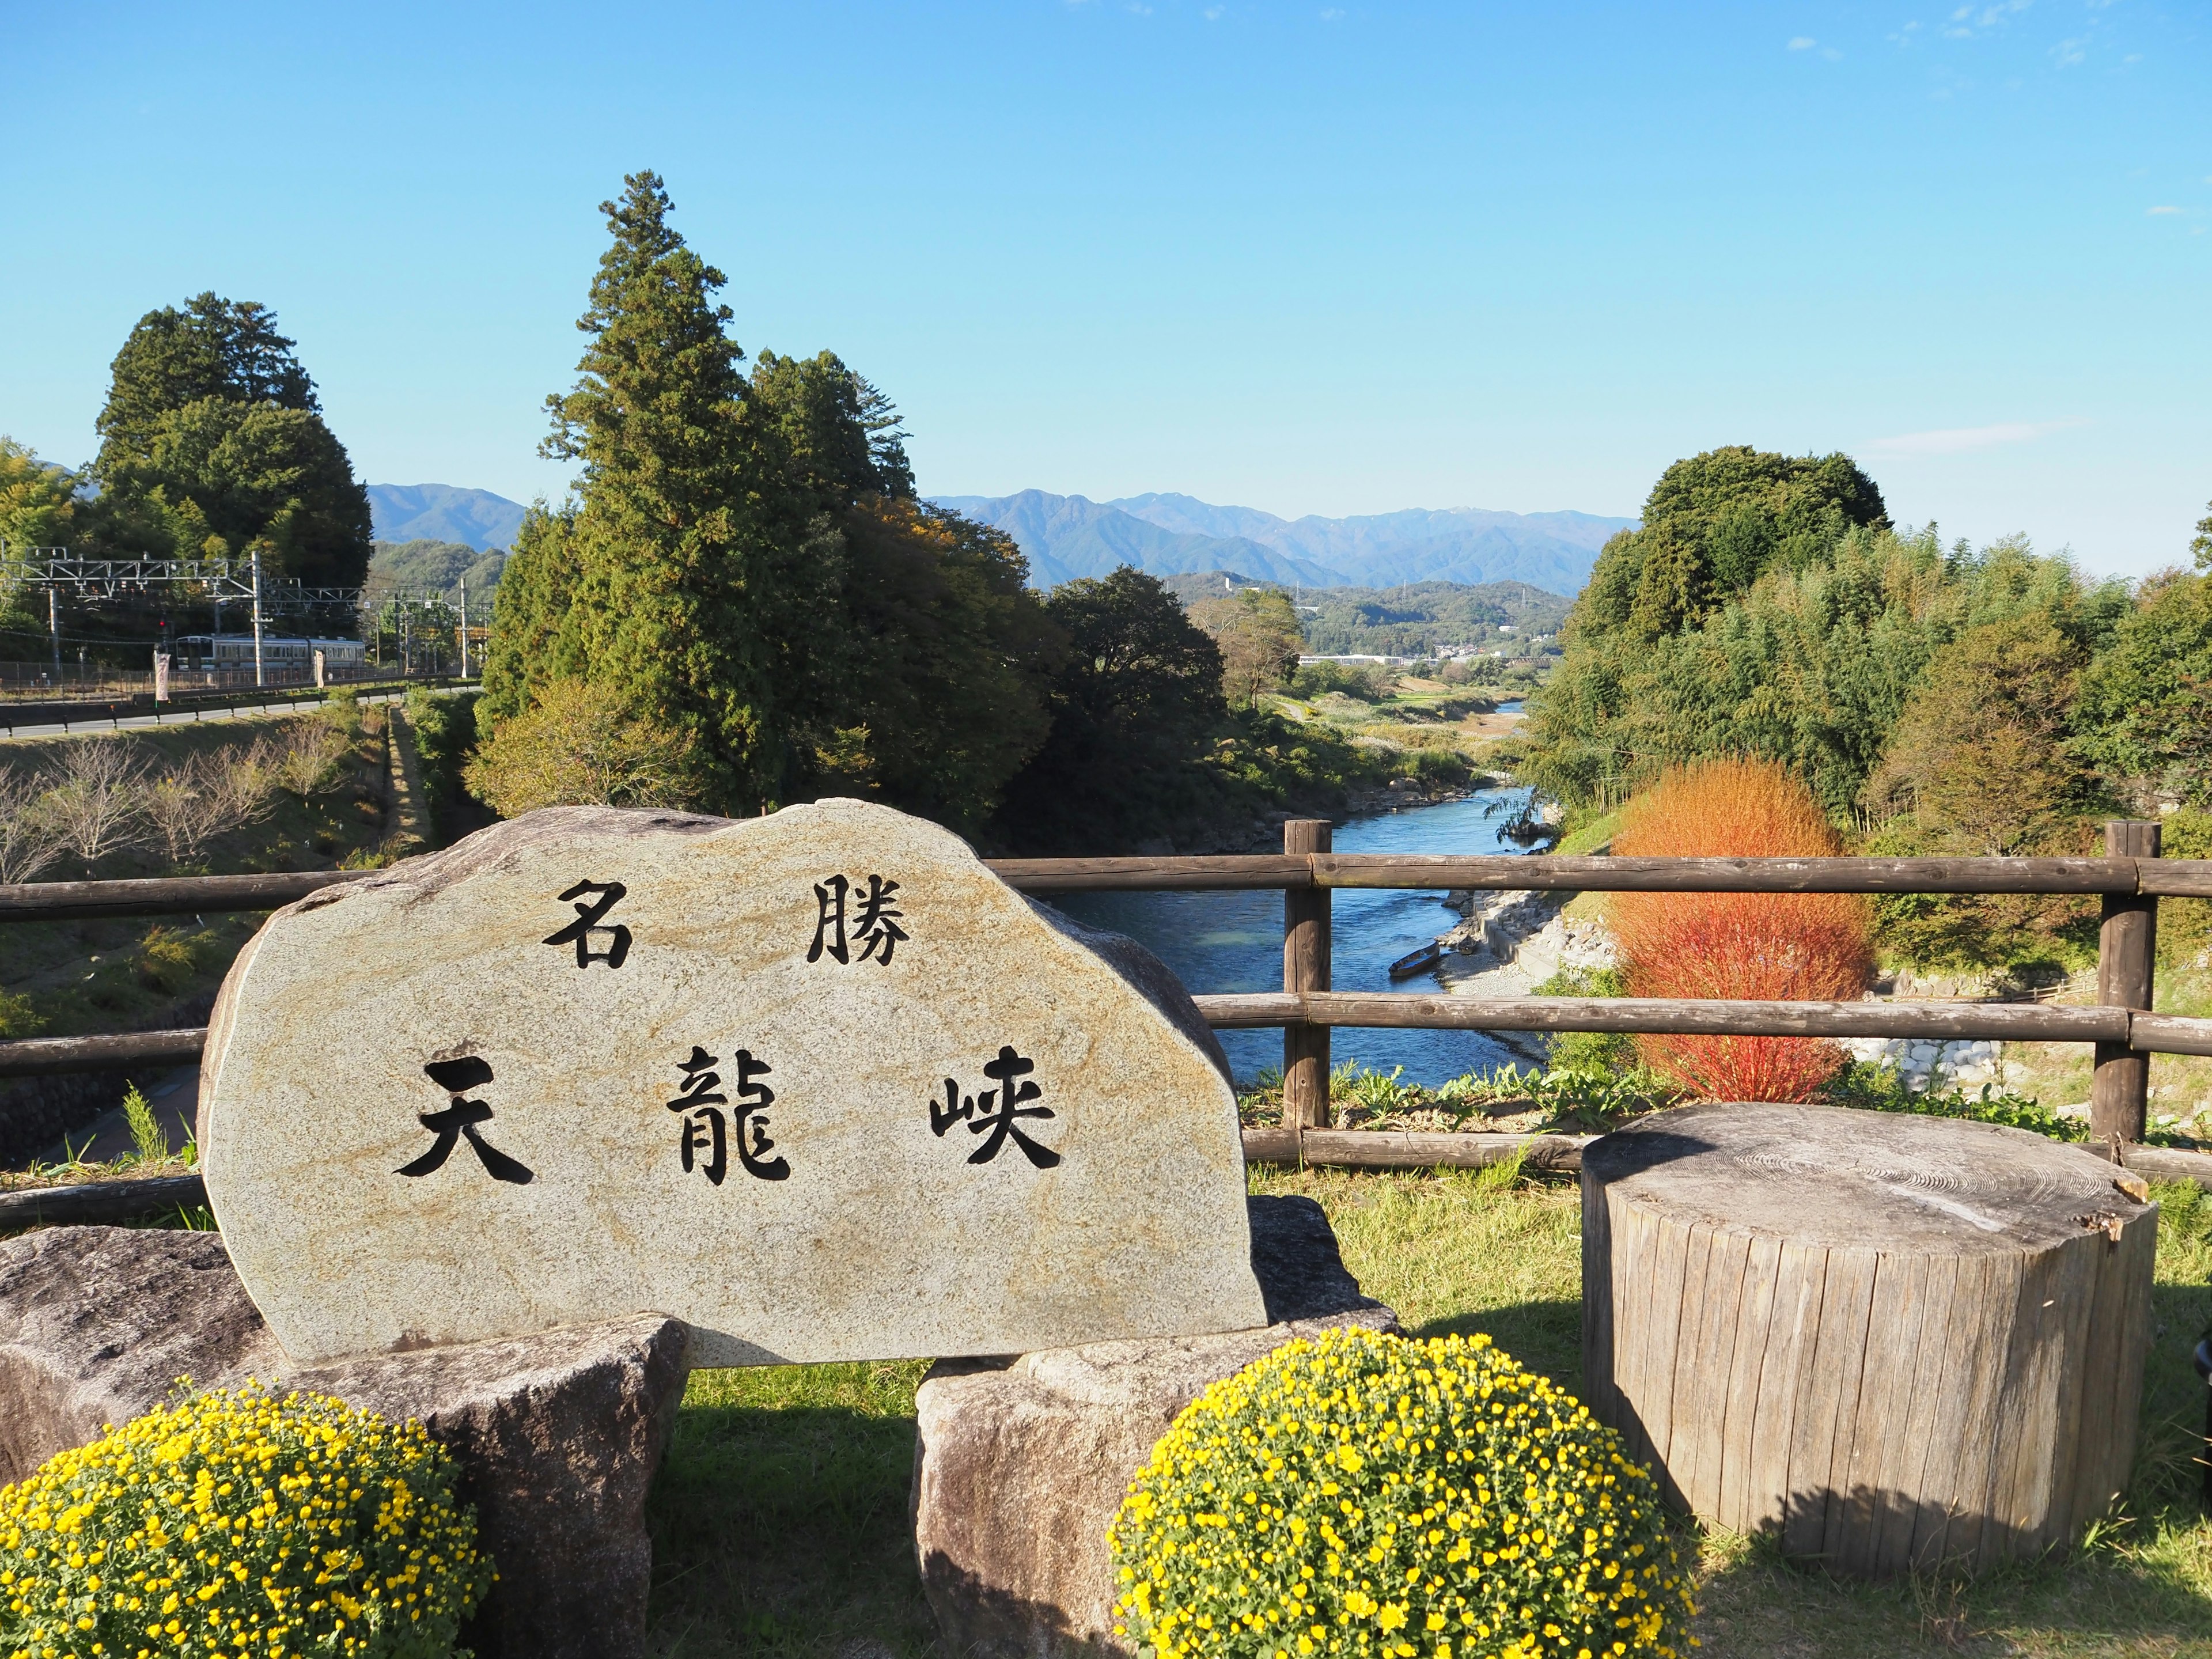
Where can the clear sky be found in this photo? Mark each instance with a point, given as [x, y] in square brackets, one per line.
[1330, 259]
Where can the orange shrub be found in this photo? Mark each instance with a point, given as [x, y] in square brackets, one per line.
[1795, 947]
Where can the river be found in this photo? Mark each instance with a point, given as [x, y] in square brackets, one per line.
[1220, 942]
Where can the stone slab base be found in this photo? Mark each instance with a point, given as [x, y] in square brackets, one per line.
[1021, 1464]
[558, 1434]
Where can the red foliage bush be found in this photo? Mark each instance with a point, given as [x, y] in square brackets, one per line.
[1793, 947]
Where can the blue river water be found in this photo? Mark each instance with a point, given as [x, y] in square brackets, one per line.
[1222, 942]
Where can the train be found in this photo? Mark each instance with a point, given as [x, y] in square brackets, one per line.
[200, 653]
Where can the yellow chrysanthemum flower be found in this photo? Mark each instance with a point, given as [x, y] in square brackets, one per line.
[1339, 1496]
[284, 1495]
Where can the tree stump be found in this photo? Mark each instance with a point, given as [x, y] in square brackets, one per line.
[1895, 1341]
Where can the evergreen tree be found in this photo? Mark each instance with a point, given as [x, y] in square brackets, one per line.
[667, 581]
[745, 565]
[214, 348]
[1134, 706]
[213, 442]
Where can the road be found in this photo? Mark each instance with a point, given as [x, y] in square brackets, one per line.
[182, 717]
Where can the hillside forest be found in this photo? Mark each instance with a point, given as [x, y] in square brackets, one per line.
[1936, 700]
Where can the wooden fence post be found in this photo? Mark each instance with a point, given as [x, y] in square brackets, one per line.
[1305, 968]
[2127, 944]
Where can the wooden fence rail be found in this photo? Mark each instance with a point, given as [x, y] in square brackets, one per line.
[2128, 880]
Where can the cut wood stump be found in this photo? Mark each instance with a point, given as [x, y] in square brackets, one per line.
[1895, 1342]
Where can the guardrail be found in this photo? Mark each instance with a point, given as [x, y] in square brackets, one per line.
[2129, 880]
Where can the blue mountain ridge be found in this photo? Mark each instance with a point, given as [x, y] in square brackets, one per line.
[1168, 535]
[442, 512]
[1163, 535]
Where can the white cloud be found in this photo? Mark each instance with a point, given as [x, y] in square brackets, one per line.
[2067, 53]
[1802, 43]
[1831, 54]
[2157, 211]
[1962, 439]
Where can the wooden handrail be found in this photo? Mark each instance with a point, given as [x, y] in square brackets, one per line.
[2131, 879]
[1941, 1022]
[54, 901]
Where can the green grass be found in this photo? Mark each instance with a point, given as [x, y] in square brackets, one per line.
[780, 1523]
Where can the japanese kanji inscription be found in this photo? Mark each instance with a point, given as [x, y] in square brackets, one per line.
[809, 1082]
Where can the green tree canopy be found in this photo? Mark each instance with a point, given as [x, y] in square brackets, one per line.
[745, 558]
[2147, 700]
[1136, 702]
[1713, 526]
[221, 476]
[1258, 634]
[38, 500]
[214, 348]
[213, 442]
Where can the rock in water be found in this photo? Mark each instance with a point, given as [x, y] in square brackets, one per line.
[819, 1084]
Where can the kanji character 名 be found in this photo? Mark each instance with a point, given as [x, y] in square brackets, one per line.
[876, 929]
[705, 1128]
[995, 1110]
[588, 917]
[460, 1117]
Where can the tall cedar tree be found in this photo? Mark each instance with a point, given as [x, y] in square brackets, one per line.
[212, 441]
[666, 582]
[746, 564]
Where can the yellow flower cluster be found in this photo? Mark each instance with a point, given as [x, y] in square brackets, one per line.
[1372, 1496]
[241, 1523]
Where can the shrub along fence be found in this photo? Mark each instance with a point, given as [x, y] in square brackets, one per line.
[2131, 879]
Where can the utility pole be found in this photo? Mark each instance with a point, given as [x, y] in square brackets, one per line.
[54, 629]
[464, 628]
[258, 678]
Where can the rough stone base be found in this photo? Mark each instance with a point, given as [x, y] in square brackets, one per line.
[1020, 1465]
[558, 1436]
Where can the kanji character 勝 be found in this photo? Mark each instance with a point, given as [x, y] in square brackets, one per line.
[996, 1109]
[460, 1117]
[876, 929]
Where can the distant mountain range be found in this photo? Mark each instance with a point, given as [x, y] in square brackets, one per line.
[442, 512]
[1167, 535]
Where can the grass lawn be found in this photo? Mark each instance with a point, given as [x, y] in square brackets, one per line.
[780, 1523]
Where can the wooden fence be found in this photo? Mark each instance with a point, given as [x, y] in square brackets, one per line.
[2129, 881]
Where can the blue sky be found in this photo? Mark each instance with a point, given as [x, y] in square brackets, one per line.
[1311, 258]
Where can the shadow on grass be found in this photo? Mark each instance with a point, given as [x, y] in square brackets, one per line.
[2107, 1599]
[779, 1520]
[1544, 1336]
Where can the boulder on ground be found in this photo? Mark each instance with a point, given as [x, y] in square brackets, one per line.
[557, 1435]
[1020, 1465]
[97, 1323]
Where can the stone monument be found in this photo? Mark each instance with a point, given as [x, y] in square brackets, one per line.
[819, 1084]
[509, 1137]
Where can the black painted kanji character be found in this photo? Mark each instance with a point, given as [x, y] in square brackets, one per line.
[829, 906]
[753, 1144]
[995, 1110]
[877, 922]
[703, 1124]
[588, 916]
[460, 1117]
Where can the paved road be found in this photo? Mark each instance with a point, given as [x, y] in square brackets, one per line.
[181, 717]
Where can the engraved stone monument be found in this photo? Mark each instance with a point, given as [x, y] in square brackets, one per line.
[819, 1084]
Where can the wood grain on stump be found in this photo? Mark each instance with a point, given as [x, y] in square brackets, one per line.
[1893, 1340]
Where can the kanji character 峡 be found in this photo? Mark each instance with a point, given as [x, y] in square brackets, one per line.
[996, 1111]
